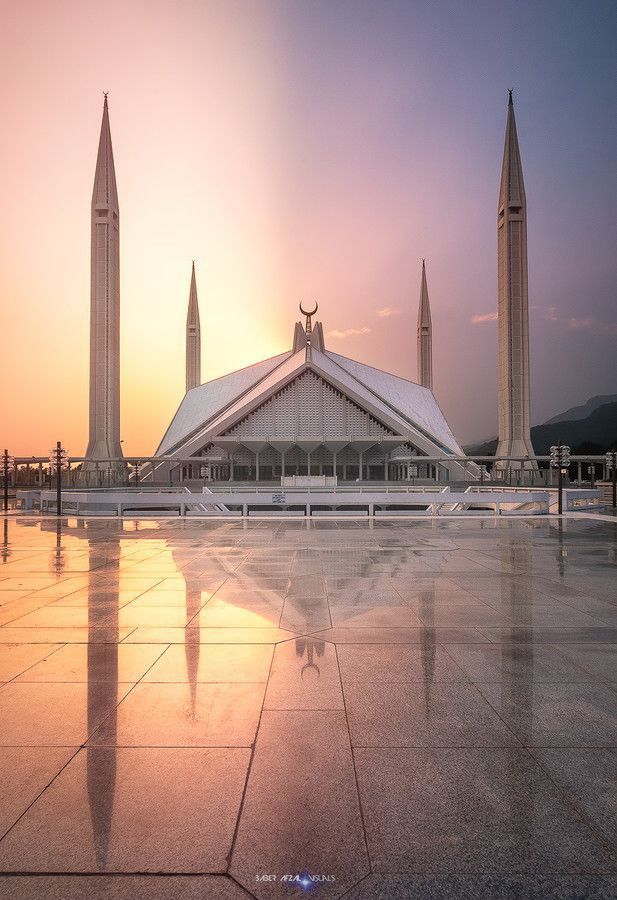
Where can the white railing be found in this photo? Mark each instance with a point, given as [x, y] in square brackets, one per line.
[382, 503]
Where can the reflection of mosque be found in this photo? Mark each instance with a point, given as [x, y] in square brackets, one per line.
[104, 551]
[311, 647]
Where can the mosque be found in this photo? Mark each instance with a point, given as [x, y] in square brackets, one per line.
[308, 411]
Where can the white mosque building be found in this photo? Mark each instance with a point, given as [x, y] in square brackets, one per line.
[309, 411]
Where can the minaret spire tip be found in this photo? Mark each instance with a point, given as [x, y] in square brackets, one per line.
[425, 335]
[510, 100]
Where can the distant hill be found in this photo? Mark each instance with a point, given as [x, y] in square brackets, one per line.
[582, 412]
[594, 434]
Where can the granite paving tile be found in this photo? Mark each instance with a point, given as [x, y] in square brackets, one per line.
[47, 714]
[304, 675]
[134, 810]
[363, 615]
[184, 715]
[600, 660]
[533, 662]
[556, 715]
[470, 811]
[212, 662]
[120, 887]
[17, 658]
[485, 887]
[301, 811]
[147, 635]
[92, 635]
[401, 635]
[425, 714]
[399, 662]
[24, 773]
[95, 662]
[588, 776]
[604, 634]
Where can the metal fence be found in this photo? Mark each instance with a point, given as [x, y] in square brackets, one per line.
[158, 471]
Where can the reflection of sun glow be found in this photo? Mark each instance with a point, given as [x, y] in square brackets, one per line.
[224, 614]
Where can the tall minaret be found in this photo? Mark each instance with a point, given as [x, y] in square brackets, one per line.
[425, 336]
[512, 303]
[193, 338]
[104, 441]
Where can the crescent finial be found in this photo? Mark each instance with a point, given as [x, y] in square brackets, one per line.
[306, 312]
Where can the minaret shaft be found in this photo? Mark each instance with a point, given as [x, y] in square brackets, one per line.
[512, 306]
[104, 434]
[193, 338]
[425, 336]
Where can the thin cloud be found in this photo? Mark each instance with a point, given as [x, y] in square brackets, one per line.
[349, 332]
[580, 324]
[480, 318]
[386, 312]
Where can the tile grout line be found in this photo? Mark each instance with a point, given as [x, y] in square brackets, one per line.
[249, 768]
[353, 763]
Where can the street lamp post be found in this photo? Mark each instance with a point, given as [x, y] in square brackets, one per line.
[7, 464]
[611, 465]
[58, 460]
[560, 460]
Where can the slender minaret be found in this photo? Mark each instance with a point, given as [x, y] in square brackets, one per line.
[512, 303]
[193, 338]
[425, 336]
[104, 441]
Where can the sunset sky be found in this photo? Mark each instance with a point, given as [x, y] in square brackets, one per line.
[312, 149]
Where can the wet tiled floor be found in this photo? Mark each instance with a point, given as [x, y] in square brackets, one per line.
[195, 709]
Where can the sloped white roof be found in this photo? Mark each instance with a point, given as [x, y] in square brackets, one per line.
[286, 368]
[416, 403]
[202, 403]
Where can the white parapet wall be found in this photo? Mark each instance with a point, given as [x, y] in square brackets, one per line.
[309, 481]
[303, 502]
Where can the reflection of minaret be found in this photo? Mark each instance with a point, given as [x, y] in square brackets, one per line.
[425, 336]
[192, 647]
[103, 694]
[517, 679]
[428, 643]
[104, 440]
[193, 338]
[512, 303]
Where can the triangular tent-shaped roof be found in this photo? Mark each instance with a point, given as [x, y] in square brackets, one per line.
[243, 404]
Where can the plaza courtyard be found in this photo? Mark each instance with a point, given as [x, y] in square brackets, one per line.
[376, 709]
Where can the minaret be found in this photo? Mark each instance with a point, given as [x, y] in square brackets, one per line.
[193, 338]
[104, 441]
[425, 336]
[512, 304]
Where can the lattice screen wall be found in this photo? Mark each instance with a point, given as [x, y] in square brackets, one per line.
[307, 407]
